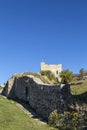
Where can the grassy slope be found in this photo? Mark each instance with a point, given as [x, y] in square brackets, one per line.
[79, 89]
[14, 118]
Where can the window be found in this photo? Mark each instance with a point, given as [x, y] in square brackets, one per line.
[57, 72]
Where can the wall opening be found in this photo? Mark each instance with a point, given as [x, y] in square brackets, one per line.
[57, 72]
[26, 92]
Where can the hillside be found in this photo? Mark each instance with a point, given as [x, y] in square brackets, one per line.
[43, 78]
[14, 118]
[79, 87]
[49, 97]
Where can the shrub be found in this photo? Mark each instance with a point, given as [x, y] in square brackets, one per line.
[53, 118]
[49, 74]
[64, 121]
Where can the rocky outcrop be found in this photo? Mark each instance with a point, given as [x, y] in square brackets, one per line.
[43, 98]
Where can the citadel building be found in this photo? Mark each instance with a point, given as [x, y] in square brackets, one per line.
[55, 69]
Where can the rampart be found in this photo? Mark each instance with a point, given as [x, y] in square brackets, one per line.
[42, 98]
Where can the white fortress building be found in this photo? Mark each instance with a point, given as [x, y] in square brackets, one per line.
[55, 69]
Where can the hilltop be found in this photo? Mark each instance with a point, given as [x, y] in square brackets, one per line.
[45, 77]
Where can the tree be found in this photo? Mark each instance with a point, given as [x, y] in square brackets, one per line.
[66, 76]
[82, 73]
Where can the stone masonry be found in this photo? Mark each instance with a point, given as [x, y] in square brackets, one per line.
[42, 98]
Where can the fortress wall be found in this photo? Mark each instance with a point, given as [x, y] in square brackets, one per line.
[8, 87]
[41, 97]
[44, 99]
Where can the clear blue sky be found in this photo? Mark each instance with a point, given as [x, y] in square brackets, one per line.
[32, 30]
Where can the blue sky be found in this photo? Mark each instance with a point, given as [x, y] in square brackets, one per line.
[32, 30]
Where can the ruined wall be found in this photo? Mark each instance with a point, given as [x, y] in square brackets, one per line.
[44, 99]
[41, 97]
[8, 87]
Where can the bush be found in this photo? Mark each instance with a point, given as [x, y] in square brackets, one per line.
[53, 118]
[64, 121]
[49, 74]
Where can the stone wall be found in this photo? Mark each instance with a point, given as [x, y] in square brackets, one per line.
[9, 87]
[42, 98]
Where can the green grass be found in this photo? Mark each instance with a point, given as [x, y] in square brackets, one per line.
[13, 118]
[79, 89]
